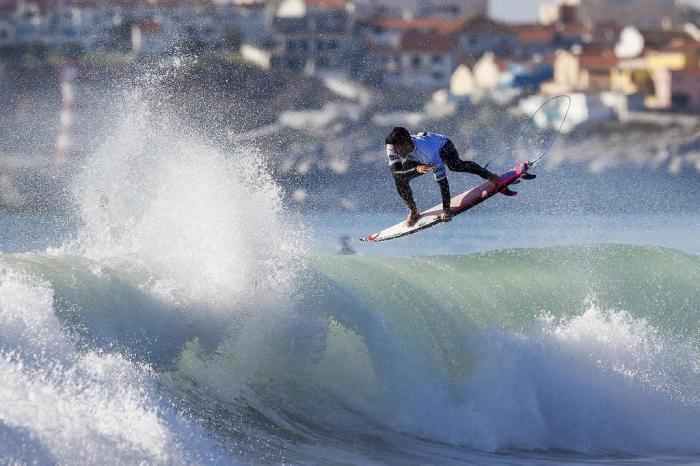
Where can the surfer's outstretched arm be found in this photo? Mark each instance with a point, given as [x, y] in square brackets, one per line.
[445, 194]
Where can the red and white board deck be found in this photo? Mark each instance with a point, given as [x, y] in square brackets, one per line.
[458, 204]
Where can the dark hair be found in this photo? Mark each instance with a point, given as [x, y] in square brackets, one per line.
[398, 136]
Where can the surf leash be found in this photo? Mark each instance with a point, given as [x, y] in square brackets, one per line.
[530, 122]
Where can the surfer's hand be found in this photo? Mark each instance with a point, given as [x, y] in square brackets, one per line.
[446, 215]
[424, 168]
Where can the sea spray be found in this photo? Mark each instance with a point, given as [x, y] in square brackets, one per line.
[207, 218]
[179, 241]
[62, 405]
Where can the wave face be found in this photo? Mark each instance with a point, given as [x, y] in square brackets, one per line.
[187, 323]
[581, 349]
[587, 349]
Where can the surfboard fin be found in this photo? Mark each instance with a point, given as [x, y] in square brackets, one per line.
[528, 176]
[508, 192]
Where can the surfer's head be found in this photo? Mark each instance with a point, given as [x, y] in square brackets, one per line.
[400, 140]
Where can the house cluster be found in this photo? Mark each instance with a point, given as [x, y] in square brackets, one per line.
[621, 53]
[615, 56]
[151, 27]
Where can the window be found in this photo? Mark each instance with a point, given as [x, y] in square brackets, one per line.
[437, 59]
[416, 61]
[680, 100]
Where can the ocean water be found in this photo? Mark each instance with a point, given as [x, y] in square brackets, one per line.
[181, 313]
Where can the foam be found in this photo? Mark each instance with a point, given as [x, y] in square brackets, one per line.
[61, 405]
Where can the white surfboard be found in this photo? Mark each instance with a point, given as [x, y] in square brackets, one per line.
[458, 204]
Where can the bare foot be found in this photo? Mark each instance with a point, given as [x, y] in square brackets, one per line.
[445, 216]
[412, 218]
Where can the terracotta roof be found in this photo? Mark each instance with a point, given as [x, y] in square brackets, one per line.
[433, 24]
[441, 26]
[598, 61]
[571, 29]
[610, 26]
[481, 24]
[150, 27]
[501, 64]
[534, 33]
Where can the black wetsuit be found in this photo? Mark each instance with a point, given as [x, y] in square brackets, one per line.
[404, 170]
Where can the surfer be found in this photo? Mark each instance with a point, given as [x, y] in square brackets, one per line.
[411, 155]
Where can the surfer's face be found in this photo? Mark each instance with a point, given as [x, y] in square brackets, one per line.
[402, 150]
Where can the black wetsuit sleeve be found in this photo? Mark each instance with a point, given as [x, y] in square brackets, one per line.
[398, 170]
[444, 193]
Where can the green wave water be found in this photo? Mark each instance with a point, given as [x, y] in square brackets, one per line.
[584, 349]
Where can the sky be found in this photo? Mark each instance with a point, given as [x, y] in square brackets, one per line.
[527, 10]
